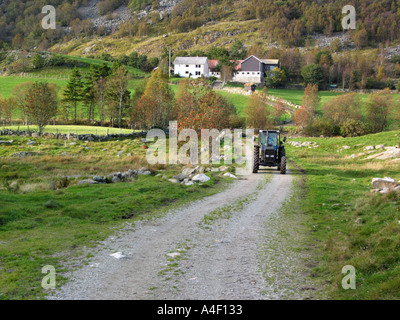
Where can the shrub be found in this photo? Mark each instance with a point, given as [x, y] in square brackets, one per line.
[321, 126]
[352, 128]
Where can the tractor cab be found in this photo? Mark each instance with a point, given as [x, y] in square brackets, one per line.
[270, 151]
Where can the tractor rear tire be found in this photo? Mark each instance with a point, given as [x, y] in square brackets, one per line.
[283, 165]
[256, 160]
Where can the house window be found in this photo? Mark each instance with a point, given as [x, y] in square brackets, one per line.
[187, 72]
[198, 66]
[198, 73]
[187, 66]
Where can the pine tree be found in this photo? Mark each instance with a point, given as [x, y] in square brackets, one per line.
[73, 90]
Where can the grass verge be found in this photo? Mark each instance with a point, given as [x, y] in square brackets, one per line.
[351, 225]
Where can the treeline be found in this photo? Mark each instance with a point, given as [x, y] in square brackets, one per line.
[343, 69]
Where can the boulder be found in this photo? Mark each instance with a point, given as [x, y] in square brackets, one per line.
[181, 177]
[201, 178]
[189, 171]
[385, 183]
[380, 146]
[4, 142]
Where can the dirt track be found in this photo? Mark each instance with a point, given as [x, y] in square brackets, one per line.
[247, 252]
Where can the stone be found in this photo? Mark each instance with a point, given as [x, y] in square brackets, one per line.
[380, 146]
[369, 148]
[385, 183]
[88, 181]
[118, 255]
[173, 180]
[201, 178]
[120, 154]
[189, 171]
[230, 175]
[115, 179]
[32, 143]
[346, 147]
[181, 177]
[223, 168]
[4, 142]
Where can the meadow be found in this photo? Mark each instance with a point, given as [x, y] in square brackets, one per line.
[348, 224]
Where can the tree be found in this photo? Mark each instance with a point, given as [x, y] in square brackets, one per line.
[156, 102]
[117, 87]
[100, 93]
[311, 99]
[378, 110]
[276, 79]
[313, 74]
[199, 107]
[41, 104]
[19, 93]
[38, 61]
[73, 91]
[258, 113]
[343, 108]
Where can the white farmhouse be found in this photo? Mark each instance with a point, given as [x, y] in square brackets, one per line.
[193, 67]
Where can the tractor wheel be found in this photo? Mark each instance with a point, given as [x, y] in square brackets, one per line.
[256, 160]
[283, 165]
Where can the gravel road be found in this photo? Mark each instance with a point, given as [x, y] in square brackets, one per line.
[245, 249]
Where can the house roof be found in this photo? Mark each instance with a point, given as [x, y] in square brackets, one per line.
[213, 63]
[190, 60]
[264, 61]
[270, 61]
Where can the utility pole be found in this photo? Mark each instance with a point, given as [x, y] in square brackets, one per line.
[169, 64]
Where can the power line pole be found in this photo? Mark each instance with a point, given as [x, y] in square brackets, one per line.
[169, 64]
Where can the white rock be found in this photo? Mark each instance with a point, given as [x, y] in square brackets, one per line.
[230, 175]
[173, 254]
[118, 255]
[201, 178]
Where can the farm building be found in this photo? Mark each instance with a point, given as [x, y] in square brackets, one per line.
[194, 67]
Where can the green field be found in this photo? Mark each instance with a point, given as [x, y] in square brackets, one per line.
[348, 224]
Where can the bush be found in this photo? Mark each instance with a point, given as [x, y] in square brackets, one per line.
[321, 126]
[352, 128]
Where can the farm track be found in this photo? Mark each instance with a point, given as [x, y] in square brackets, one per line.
[247, 249]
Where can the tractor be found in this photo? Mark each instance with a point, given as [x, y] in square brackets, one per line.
[270, 151]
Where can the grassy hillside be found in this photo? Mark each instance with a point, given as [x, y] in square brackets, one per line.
[203, 38]
[348, 224]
